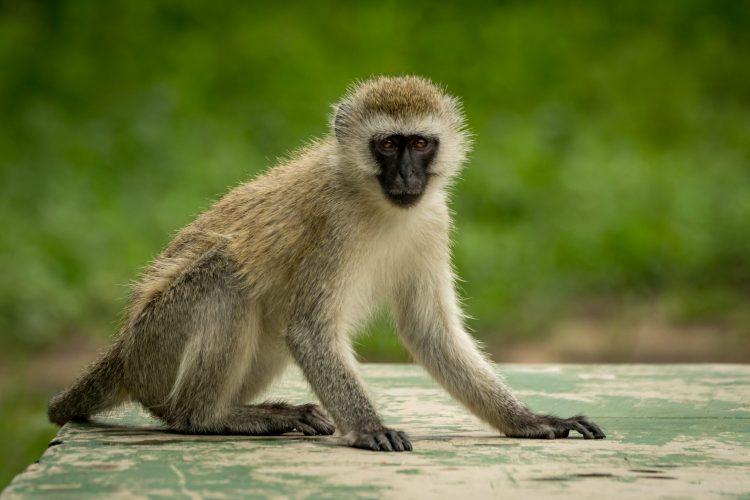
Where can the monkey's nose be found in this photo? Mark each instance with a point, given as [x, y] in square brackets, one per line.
[406, 182]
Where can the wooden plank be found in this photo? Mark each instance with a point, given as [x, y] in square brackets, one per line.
[674, 430]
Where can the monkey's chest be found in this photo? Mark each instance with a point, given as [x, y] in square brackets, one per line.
[372, 283]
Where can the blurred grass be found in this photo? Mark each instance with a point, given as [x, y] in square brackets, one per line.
[612, 147]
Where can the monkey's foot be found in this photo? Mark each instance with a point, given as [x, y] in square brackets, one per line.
[551, 427]
[381, 440]
[310, 420]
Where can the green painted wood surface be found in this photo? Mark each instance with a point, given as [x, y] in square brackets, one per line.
[673, 431]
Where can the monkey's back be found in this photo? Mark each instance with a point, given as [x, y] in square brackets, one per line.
[265, 225]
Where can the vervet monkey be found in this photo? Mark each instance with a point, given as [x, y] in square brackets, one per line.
[289, 265]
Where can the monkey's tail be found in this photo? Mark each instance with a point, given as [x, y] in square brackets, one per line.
[99, 388]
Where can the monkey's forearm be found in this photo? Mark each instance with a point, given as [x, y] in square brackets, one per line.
[452, 360]
[430, 326]
[329, 369]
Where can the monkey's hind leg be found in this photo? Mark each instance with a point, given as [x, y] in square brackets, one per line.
[222, 328]
[207, 395]
[196, 407]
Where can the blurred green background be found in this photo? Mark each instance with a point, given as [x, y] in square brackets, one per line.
[604, 216]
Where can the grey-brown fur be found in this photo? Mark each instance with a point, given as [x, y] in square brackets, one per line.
[286, 267]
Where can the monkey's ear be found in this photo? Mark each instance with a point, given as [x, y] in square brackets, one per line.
[341, 117]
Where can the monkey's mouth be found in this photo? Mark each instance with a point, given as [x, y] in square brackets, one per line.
[404, 200]
[403, 191]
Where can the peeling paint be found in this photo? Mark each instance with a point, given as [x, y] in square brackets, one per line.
[673, 431]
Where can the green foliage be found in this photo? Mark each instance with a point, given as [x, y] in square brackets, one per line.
[612, 141]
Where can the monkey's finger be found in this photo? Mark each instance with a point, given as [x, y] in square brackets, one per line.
[583, 430]
[307, 430]
[326, 429]
[395, 440]
[321, 426]
[595, 429]
[327, 426]
[371, 443]
[365, 441]
[383, 442]
[405, 440]
[562, 433]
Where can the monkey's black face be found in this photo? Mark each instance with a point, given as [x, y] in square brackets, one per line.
[404, 166]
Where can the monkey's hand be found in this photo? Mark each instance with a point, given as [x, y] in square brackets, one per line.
[551, 427]
[383, 439]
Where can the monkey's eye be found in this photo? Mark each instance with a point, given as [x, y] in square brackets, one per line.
[419, 143]
[387, 144]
